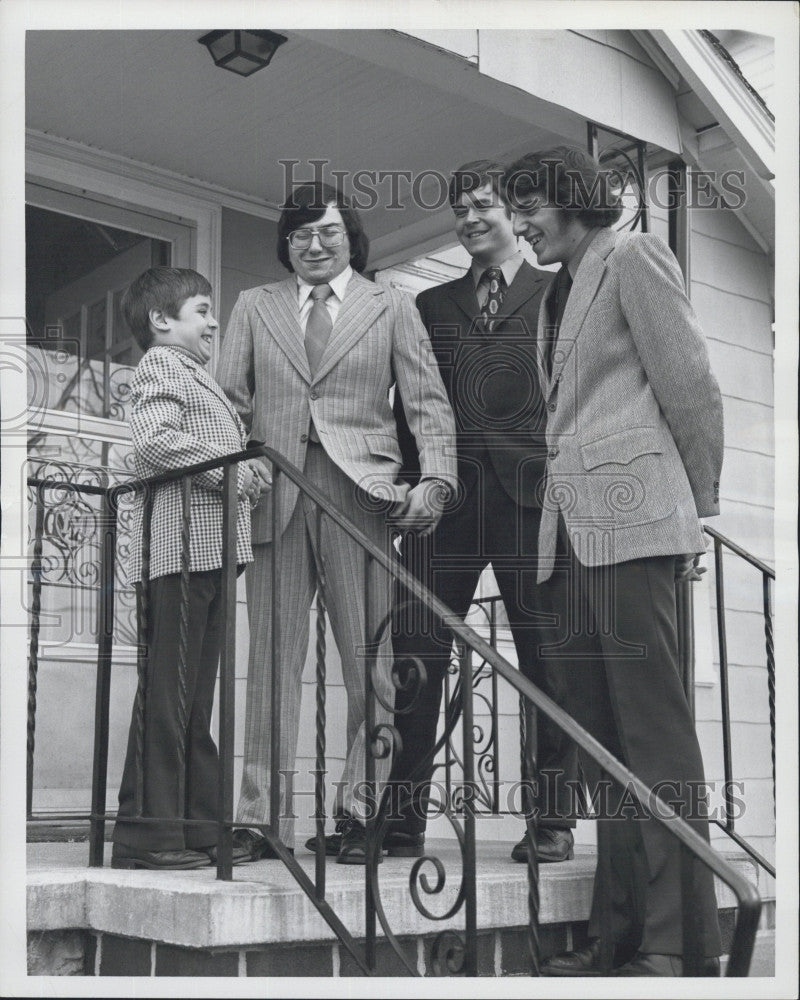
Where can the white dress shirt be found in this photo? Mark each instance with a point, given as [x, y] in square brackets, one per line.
[509, 267]
[333, 302]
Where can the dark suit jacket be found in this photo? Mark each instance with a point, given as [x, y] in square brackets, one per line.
[491, 382]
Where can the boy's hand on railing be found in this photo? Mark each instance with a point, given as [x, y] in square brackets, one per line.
[421, 510]
[687, 567]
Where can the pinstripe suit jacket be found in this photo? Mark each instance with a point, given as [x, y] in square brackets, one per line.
[180, 416]
[377, 337]
[634, 427]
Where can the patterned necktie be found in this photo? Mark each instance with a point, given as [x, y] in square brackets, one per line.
[493, 278]
[319, 326]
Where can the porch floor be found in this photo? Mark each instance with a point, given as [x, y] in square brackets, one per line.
[264, 906]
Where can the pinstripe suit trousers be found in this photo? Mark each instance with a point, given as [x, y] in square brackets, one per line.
[342, 564]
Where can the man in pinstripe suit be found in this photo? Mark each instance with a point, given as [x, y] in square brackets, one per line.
[308, 363]
[635, 442]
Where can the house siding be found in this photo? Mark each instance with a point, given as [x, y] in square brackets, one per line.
[731, 290]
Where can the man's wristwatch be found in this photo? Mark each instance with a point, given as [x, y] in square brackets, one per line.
[444, 491]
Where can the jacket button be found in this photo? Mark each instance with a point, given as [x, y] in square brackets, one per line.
[553, 453]
[551, 407]
[304, 438]
[314, 395]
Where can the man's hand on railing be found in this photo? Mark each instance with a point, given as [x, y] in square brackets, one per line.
[250, 487]
[422, 509]
[259, 480]
[687, 567]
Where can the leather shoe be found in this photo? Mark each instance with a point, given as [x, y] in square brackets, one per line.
[552, 844]
[333, 843]
[241, 854]
[256, 846]
[399, 844]
[123, 856]
[582, 962]
[651, 964]
[353, 850]
[396, 843]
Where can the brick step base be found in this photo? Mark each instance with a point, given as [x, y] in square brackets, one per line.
[102, 921]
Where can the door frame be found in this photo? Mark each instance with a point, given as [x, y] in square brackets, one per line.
[118, 181]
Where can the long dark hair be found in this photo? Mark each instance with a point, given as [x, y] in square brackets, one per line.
[568, 178]
[308, 203]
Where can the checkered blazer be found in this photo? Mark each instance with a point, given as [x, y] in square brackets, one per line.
[180, 416]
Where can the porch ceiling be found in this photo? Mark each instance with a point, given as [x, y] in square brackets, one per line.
[156, 97]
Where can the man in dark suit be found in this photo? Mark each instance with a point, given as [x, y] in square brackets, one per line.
[635, 445]
[482, 328]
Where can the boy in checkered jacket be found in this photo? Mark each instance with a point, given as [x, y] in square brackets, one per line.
[179, 417]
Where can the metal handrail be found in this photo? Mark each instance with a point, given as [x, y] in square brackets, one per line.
[767, 574]
[468, 641]
[743, 553]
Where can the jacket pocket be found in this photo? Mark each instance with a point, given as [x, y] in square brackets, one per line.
[627, 479]
[384, 446]
[621, 448]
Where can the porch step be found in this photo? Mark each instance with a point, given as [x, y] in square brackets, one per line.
[189, 923]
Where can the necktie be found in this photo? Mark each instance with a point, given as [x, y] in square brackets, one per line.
[319, 326]
[493, 278]
[558, 303]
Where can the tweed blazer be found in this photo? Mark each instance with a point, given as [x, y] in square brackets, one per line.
[180, 416]
[377, 339]
[491, 381]
[634, 422]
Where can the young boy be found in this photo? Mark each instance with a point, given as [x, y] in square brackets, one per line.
[179, 417]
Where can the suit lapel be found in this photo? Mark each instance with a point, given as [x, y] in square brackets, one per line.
[584, 288]
[363, 302]
[277, 307]
[210, 383]
[462, 293]
[525, 285]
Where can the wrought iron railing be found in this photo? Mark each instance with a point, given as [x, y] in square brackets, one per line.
[767, 580]
[453, 952]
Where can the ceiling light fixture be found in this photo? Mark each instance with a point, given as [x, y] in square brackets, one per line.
[242, 52]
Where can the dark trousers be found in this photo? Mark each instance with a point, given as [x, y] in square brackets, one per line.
[616, 639]
[162, 728]
[487, 527]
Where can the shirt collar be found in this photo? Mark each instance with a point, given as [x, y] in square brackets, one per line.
[185, 352]
[509, 267]
[338, 285]
[574, 262]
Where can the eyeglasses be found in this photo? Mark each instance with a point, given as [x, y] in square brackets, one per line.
[329, 236]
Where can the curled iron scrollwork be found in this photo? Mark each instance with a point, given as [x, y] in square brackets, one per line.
[428, 877]
[385, 740]
[71, 544]
[621, 166]
[409, 674]
[448, 954]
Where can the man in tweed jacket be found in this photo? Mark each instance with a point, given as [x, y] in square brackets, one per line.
[308, 362]
[179, 417]
[635, 442]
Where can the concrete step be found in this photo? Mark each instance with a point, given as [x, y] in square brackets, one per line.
[160, 922]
